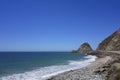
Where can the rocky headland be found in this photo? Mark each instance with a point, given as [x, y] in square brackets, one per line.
[107, 67]
[111, 43]
[84, 48]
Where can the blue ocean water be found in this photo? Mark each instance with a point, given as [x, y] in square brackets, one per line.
[39, 65]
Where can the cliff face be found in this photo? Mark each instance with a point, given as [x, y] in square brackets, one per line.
[84, 48]
[111, 43]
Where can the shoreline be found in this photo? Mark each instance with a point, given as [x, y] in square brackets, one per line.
[46, 72]
[86, 73]
[94, 58]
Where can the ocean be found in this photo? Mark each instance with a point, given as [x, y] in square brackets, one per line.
[39, 65]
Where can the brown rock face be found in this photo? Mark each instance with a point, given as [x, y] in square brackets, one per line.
[84, 48]
[111, 43]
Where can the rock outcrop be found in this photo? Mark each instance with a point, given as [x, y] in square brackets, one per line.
[111, 43]
[84, 48]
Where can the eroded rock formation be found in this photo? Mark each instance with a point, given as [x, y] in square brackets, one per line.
[84, 48]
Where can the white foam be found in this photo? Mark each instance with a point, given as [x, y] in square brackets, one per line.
[46, 72]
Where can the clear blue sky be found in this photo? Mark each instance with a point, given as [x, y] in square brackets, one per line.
[56, 25]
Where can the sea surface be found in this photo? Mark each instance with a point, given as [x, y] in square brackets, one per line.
[39, 65]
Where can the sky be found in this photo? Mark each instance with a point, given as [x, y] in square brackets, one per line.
[56, 25]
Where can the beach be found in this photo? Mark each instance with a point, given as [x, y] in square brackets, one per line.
[40, 65]
[95, 66]
[86, 73]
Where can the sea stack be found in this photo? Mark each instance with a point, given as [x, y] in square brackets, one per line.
[111, 43]
[84, 48]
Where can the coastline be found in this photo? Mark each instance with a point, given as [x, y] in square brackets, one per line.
[74, 62]
[104, 67]
[83, 65]
[85, 73]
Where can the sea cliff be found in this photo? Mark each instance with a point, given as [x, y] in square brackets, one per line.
[106, 67]
[111, 43]
[84, 48]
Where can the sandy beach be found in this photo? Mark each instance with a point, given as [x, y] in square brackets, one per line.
[86, 73]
